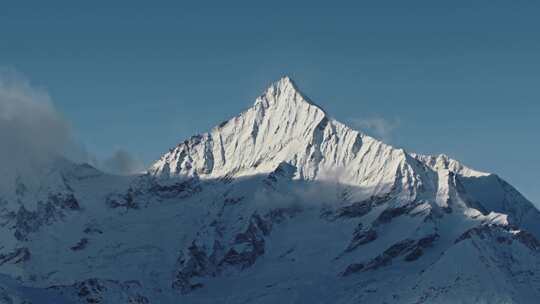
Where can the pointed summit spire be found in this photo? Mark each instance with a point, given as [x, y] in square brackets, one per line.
[285, 91]
[281, 126]
[283, 85]
[286, 82]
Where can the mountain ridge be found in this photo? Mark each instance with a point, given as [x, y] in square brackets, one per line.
[320, 145]
[286, 92]
[281, 203]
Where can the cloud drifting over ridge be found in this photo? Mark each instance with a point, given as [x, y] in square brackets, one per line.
[30, 126]
[379, 127]
[33, 132]
[122, 163]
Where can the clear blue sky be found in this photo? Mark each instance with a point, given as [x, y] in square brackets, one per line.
[459, 77]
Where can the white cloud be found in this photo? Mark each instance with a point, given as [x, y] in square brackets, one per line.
[123, 163]
[30, 126]
[33, 132]
[376, 126]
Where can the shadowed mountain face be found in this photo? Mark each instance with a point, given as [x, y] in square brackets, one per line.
[279, 204]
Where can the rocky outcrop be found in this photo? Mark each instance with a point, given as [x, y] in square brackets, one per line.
[125, 201]
[242, 252]
[410, 249]
[181, 190]
[359, 209]
[248, 245]
[503, 234]
[19, 255]
[392, 212]
[57, 206]
[422, 244]
[389, 254]
[136, 197]
[361, 237]
[80, 245]
[98, 291]
[193, 264]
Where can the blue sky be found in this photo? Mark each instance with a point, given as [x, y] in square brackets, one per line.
[458, 77]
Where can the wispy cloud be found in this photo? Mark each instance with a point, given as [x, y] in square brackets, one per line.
[379, 127]
[30, 127]
[34, 132]
[122, 162]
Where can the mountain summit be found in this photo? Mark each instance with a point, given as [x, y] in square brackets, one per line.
[281, 203]
[279, 126]
[282, 127]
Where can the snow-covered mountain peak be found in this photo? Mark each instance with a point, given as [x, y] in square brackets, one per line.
[280, 125]
[266, 199]
[284, 93]
[283, 126]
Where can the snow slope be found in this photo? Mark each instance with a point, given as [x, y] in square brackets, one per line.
[279, 204]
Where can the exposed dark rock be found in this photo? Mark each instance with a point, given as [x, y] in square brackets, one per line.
[182, 189]
[418, 250]
[54, 209]
[135, 196]
[502, 234]
[233, 200]
[412, 249]
[466, 235]
[353, 268]
[377, 262]
[26, 222]
[234, 258]
[65, 201]
[390, 213]
[226, 179]
[357, 209]
[398, 248]
[196, 286]
[414, 254]
[19, 255]
[80, 245]
[126, 200]
[504, 240]
[279, 215]
[428, 240]
[252, 241]
[195, 264]
[386, 257]
[92, 230]
[101, 291]
[222, 124]
[246, 247]
[528, 240]
[138, 299]
[328, 214]
[361, 237]
[283, 171]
